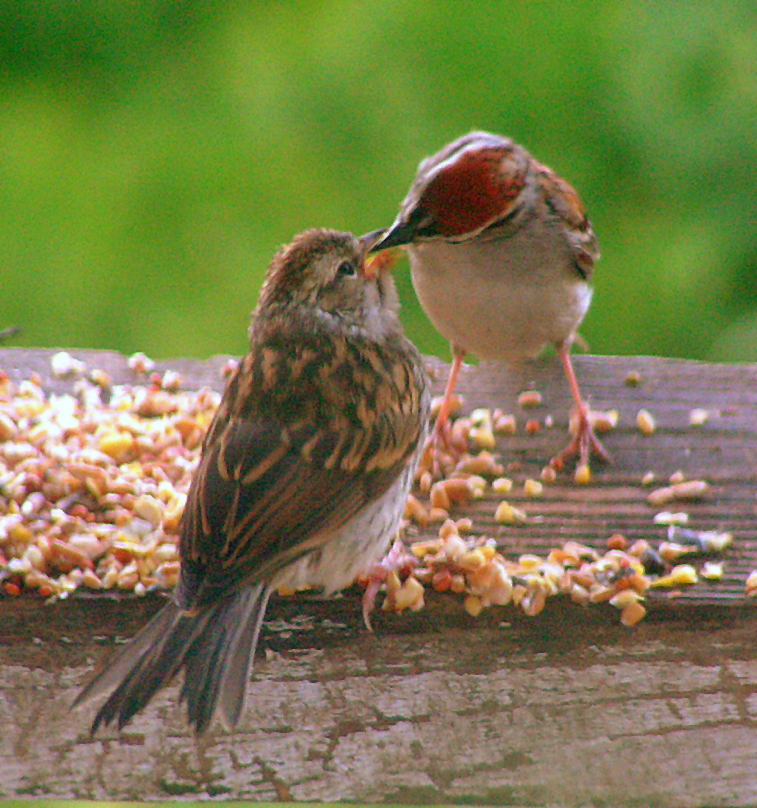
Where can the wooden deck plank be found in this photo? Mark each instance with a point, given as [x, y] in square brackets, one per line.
[437, 707]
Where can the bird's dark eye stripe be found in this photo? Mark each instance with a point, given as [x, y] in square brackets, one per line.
[346, 269]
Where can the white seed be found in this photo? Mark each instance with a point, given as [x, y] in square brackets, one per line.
[699, 417]
[715, 541]
[149, 508]
[480, 416]
[668, 518]
[87, 543]
[171, 381]
[712, 570]
[140, 363]
[63, 365]
[692, 489]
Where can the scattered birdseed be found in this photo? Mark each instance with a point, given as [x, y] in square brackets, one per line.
[707, 541]
[672, 551]
[646, 422]
[582, 474]
[712, 570]
[482, 437]
[140, 363]
[681, 575]
[91, 493]
[475, 568]
[502, 485]
[604, 421]
[64, 365]
[617, 542]
[699, 417]
[690, 490]
[668, 518]
[530, 399]
[481, 464]
[632, 614]
[504, 424]
[455, 405]
[548, 475]
[533, 427]
[507, 514]
[532, 488]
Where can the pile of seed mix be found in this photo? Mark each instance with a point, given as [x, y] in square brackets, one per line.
[93, 485]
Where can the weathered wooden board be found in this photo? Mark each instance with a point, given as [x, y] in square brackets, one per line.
[567, 708]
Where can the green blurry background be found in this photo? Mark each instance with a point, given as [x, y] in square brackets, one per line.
[153, 155]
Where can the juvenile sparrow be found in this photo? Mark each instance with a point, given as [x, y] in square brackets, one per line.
[501, 255]
[303, 477]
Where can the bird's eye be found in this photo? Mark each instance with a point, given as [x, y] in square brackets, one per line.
[346, 270]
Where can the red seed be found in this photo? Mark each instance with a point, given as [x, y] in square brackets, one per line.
[442, 580]
[617, 542]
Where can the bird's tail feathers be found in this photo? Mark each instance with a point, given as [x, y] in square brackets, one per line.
[219, 662]
[215, 646]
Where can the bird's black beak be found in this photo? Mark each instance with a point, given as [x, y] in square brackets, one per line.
[399, 234]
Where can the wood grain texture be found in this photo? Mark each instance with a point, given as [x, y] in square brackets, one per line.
[568, 708]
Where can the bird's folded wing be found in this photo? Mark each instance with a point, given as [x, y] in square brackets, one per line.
[268, 490]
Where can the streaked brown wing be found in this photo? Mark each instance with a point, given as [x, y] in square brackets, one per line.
[567, 205]
[270, 488]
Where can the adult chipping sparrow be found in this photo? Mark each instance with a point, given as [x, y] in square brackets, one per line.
[501, 255]
[303, 478]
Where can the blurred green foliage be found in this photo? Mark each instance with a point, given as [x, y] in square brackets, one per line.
[153, 155]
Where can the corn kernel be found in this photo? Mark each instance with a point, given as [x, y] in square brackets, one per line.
[532, 488]
[473, 605]
[502, 485]
[645, 422]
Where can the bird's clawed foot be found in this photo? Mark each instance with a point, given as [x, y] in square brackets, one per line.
[583, 445]
[396, 563]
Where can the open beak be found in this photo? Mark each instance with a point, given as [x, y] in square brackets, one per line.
[377, 260]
